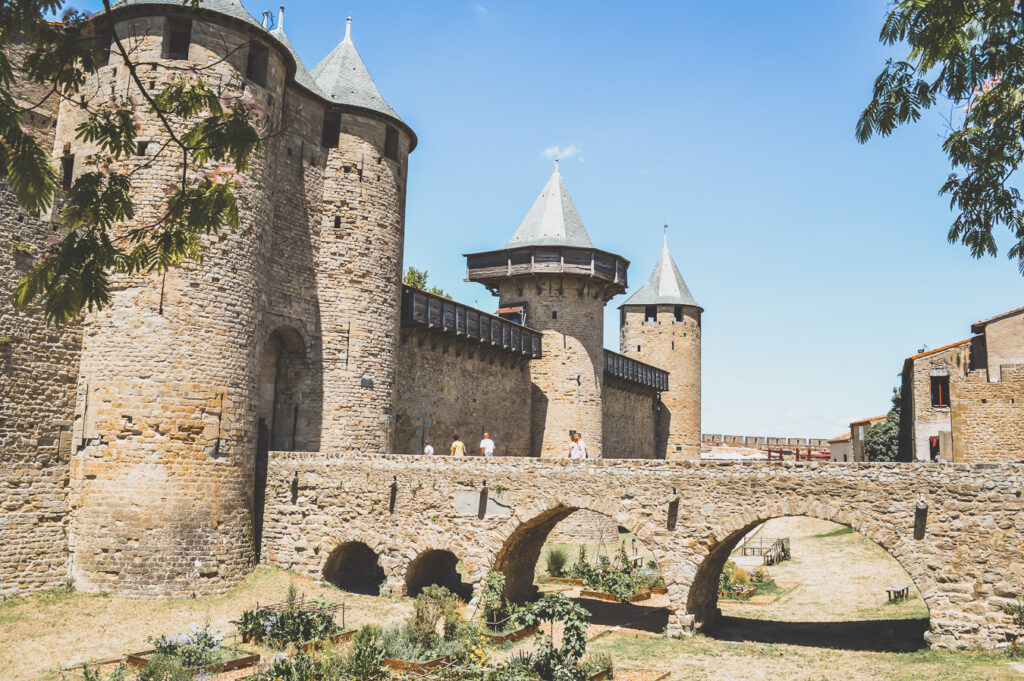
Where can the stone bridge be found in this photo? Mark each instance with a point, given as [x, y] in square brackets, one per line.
[955, 528]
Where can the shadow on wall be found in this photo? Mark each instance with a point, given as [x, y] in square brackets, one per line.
[874, 635]
[354, 567]
[538, 417]
[436, 567]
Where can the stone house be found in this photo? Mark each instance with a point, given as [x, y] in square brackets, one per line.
[964, 401]
[858, 430]
[841, 447]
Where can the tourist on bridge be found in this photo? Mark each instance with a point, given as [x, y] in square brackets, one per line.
[487, 445]
[428, 450]
[458, 446]
[577, 448]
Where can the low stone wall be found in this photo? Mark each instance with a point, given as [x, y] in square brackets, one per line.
[963, 549]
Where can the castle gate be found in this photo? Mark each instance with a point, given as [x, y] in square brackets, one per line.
[955, 528]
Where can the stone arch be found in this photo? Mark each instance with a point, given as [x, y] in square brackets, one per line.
[436, 566]
[355, 567]
[523, 537]
[701, 607]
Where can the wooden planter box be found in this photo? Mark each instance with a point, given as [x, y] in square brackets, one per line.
[337, 638]
[659, 590]
[140, 660]
[599, 676]
[407, 666]
[566, 580]
[512, 636]
[604, 596]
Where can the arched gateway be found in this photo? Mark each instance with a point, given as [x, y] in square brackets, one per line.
[957, 529]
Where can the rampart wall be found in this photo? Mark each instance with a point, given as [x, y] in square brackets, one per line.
[988, 417]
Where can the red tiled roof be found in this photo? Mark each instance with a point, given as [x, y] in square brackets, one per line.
[944, 347]
[842, 438]
[509, 310]
[873, 418]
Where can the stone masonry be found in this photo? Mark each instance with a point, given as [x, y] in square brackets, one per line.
[956, 528]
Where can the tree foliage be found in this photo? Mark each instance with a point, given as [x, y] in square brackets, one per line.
[209, 132]
[882, 441]
[969, 54]
[417, 278]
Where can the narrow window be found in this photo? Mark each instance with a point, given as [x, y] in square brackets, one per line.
[650, 313]
[177, 38]
[141, 148]
[391, 144]
[638, 348]
[332, 130]
[337, 222]
[673, 345]
[940, 391]
[67, 171]
[554, 314]
[256, 66]
[679, 313]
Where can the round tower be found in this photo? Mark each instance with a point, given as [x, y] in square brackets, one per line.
[551, 272]
[660, 325]
[359, 265]
[165, 429]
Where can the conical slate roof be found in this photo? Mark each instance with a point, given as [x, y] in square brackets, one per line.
[231, 8]
[302, 75]
[553, 220]
[665, 287]
[343, 78]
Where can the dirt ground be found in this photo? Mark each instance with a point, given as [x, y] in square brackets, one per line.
[835, 625]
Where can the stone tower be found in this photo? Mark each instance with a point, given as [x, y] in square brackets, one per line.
[553, 275]
[283, 337]
[660, 325]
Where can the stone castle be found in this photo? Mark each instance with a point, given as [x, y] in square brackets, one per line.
[136, 441]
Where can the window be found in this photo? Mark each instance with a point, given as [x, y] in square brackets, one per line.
[679, 313]
[650, 313]
[256, 65]
[67, 171]
[554, 314]
[337, 222]
[332, 130]
[940, 391]
[391, 144]
[141, 148]
[177, 38]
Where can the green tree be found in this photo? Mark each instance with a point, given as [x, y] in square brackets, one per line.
[882, 441]
[417, 278]
[211, 133]
[969, 54]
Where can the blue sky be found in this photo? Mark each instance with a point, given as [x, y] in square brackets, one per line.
[821, 263]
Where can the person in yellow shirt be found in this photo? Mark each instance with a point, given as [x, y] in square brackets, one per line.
[458, 446]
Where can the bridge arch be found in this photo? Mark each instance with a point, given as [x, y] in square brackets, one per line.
[701, 607]
[354, 566]
[436, 566]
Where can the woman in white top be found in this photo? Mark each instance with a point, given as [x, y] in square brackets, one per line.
[577, 449]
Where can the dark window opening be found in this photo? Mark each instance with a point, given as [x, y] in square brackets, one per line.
[638, 348]
[391, 144]
[673, 345]
[679, 313]
[67, 171]
[337, 222]
[940, 391]
[332, 130]
[256, 65]
[141, 148]
[554, 314]
[177, 38]
[650, 313]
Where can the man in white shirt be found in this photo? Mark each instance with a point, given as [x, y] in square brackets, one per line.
[427, 449]
[487, 446]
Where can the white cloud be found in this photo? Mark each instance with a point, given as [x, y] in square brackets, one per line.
[563, 153]
[479, 9]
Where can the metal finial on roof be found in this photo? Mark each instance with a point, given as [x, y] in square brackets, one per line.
[266, 19]
[556, 164]
[348, 28]
[665, 237]
[280, 17]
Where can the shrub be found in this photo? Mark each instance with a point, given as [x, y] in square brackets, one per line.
[293, 624]
[492, 600]
[596, 662]
[555, 562]
[1016, 611]
[725, 580]
[740, 576]
[432, 605]
[120, 673]
[164, 668]
[366, 661]
[195, 649]
[760, 575]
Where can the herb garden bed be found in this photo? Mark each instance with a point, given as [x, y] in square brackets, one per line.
[336, 638]
[612, 598]
[415, 667]
[755, 598]
[236, 659]
[565, 580]
[508, 636]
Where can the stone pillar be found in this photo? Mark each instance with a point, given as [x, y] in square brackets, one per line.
[569, 376]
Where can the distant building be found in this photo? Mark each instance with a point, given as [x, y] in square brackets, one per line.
[858, 430]
[841, 447]
[965, 401]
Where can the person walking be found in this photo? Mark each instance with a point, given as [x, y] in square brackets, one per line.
[428, 450]
[487, 445]
[577, 448]
[458, 446]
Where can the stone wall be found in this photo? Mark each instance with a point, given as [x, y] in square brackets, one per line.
[586, 527]
[631, 422]
[675, 346]
[443, 389]
[988, 418]
[961, 549]
[1004, 343]
[38, 367]
[923, 420]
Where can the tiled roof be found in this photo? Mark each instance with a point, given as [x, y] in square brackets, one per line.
[870, 420]
[842, 438]
[665, 286]
[944, 347]
[302, 75]
[979, 327]
[343, 78]
[552, 220]
[231, 8]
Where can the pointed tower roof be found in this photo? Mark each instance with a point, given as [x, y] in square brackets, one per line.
[665, 286]
[553, 220]
[231, 8]
[343, 78]
[302, 75]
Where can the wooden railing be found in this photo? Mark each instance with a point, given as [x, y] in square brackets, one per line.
[439, 314]
[629, 369]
